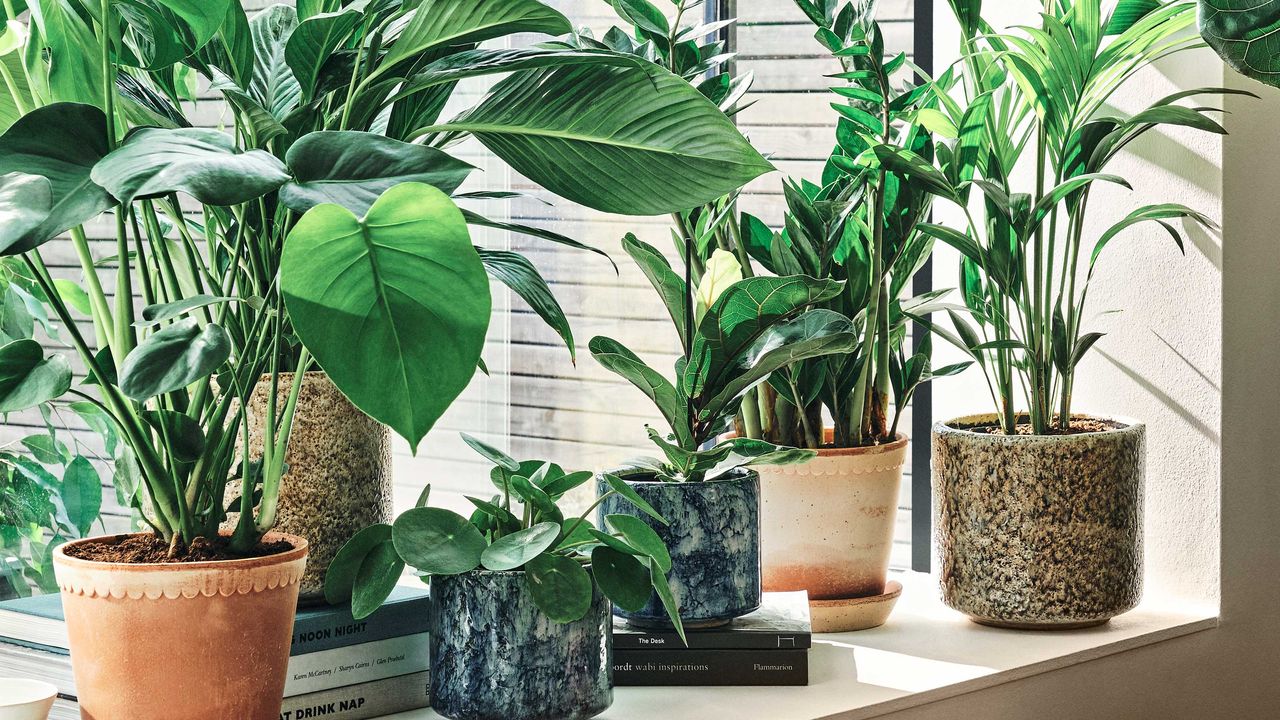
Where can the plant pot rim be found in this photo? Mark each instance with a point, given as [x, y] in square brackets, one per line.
[899, 441]
[736, 475]
[297, 552]
[947, 428]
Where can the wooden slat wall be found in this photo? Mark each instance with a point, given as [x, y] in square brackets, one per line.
[536, 402]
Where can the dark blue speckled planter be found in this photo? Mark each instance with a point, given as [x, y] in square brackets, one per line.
[496, 656]
[714, 540]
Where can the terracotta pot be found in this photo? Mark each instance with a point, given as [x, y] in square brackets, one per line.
[199, 640]
[713, 534]
[496, 656]
[1039, 531]
[339, 475]
[827, 524]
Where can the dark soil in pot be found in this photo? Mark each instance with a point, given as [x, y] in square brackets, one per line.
[150, 549]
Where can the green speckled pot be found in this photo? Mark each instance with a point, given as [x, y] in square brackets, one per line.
[1039, 532]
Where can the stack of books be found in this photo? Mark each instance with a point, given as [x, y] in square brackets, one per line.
[339, 668]
[768, 647]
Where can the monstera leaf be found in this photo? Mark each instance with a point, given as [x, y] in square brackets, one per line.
[394, 305]
[1246, 33]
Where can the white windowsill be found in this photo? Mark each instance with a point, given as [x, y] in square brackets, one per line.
[926, 652]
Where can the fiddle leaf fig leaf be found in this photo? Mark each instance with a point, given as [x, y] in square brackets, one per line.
[173, 358]
[205, 164]
[1243, 32]
[61, 143]
[616, 358]
[670, 286]
[394, 306]
[353, 169]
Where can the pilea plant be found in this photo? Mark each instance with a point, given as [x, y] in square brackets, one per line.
[522, 528]
[1038, 96]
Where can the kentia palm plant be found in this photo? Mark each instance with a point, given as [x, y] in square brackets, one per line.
[333, 242]
[1037, 99]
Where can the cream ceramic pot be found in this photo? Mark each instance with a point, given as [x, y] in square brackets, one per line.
[827, 524]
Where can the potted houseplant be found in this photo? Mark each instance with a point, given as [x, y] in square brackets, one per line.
[733, 336]
[520, 621]
[1039, 512]
[828, 523]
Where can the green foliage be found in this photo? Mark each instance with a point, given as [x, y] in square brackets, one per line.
[1243, 32]
[520, 529]
[1021, 280]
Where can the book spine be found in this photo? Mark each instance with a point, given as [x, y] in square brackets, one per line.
[358, 702]
[712, 641]
[710, 667]
[356, 664]
[336, 628]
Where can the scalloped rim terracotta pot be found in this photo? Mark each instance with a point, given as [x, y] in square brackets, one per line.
[827, 524]
[1039, 531]
[199, 640]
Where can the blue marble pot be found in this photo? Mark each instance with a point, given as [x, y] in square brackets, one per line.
[496, 656]
[714, 540]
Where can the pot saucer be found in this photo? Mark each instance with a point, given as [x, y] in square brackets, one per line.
[860, 613]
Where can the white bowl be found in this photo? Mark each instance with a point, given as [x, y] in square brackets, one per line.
[25, 699]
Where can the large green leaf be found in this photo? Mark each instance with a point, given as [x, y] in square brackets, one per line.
[375, 579]
[339, 580]
[443, 23]
[17, 359]
[1246, 33]
[394, 305]
[47, 380]
[488, 61]
[352, 169]
[173, 358]
[511, 551]
[312, 43]
[670, 286]
[812, 334]
[74, 69]
[621, 577]
[739, 317]
[560, 587]
[81, 493]
[25, 202]
[516, 272]
[273, 84]
[438, 541]
[203, 17]
[616, 358]
[60, 142]
[205, 164]
[636, 141]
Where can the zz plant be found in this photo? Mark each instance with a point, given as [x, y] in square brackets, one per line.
[522, 528]
[1037, 96]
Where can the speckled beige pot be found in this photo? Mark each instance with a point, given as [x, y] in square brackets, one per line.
[1039, 532]
[827, 524]
[339, 478]
[181, 640]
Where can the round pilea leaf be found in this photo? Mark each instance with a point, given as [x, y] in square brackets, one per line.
[438, 541]
[622, 578]
[511, 551]
[375, 579]
[560, 587]
[640, 536]
[341, 576]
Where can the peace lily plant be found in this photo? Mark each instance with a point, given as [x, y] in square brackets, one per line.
[321, 229]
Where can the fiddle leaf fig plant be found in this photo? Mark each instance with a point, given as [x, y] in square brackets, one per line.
[750, 329]
[1241, 32]
[521, 528]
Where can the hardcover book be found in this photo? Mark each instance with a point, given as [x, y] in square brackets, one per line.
[37, 621]
[781, 623]
[710, 667]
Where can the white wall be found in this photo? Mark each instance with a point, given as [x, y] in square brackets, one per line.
[1193, 355]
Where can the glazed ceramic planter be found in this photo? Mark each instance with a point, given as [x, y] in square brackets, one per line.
[339, 471]
[496, 656]
[827, 524]
[713, 536]
[1039, 532]
[181, 640]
